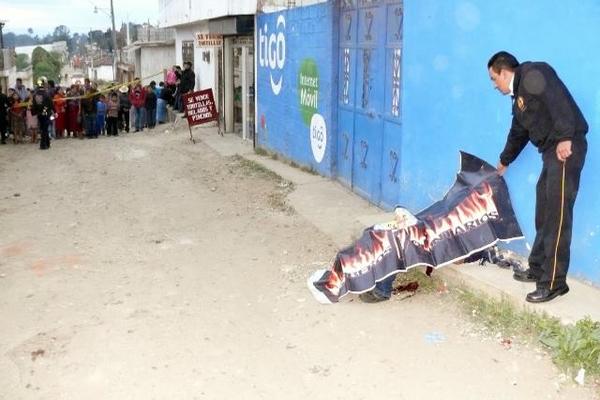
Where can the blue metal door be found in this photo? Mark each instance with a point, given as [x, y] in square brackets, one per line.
[390, 163]
[368, 122]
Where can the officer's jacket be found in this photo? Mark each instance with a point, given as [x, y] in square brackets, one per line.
[544, 111]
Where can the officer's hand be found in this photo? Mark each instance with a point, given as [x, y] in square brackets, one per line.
[563, 150]
[501, 168]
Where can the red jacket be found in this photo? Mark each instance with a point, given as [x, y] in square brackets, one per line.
[138, 97]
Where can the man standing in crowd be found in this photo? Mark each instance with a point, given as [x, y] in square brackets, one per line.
[138, 102]
[42, 107]
[188, 81]
[545, 114]
[21, 90]
[124, 106]
[4, 106]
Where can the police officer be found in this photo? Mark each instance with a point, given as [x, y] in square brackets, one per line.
[3, 116]
[545, 114]
[42, 107]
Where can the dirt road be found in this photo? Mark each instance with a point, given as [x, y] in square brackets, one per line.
[145, 267]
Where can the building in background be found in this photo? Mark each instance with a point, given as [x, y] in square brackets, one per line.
[217, 37]
[8, 69]
[56, 47]
[149, 56]
[100, 69]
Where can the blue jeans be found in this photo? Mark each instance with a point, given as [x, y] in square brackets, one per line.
[90, 125]
[140, 118]
[384, 288]
[151, 117]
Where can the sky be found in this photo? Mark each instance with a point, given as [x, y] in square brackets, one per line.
[78, 15]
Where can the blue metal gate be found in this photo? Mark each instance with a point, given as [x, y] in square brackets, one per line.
[370, 40]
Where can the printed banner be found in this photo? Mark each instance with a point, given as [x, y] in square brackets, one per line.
[200, 107]
[474, 214]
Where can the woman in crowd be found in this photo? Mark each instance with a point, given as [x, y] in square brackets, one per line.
[150, 105]
[74, 113]
[31, 120]
[17, 118]
[161, 104]
[60, 110]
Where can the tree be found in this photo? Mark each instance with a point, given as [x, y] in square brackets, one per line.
[22, 61]
[61, 32]
[46, 64]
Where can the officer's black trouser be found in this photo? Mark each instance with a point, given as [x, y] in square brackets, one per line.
[3, 128]
[44, 133]
[555, 196]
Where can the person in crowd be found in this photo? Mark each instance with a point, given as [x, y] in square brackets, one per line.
[161, 103]
[87, 85]
[188, 81]
[42, 106]
[138, 101]
[73, 116]
[50, 88]
[31, 119]
[124, 106]
[177, 92]
[171, 78]
[112, 115]
[101, 115]
[21, 90]
[17, 118]
[151, 102]
[88, 108]
[4, 106]
[60, 110]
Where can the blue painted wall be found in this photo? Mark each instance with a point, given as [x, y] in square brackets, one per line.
[448, 102]
[309, 35]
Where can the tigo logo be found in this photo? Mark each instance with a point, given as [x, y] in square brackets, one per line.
[271, 52]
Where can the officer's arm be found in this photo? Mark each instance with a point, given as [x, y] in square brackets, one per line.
[515, 143]
[558, 102]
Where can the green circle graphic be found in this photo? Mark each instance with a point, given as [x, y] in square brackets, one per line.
[308, 89]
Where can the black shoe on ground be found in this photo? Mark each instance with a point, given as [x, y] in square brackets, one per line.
[371, 297]
[524, 276]
[544, 294]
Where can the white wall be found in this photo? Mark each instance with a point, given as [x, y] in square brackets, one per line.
[178, 12]
[205, 71]
[268, 6]
[154, 60]
[59, 47]
[102, 73]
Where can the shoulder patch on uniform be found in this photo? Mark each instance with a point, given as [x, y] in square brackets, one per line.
[521, 104]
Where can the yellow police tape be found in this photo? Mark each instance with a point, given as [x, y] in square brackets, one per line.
[96, 93]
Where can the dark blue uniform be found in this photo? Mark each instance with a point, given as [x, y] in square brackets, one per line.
[544, 113]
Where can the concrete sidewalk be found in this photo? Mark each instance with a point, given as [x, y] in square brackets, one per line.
[342, 215]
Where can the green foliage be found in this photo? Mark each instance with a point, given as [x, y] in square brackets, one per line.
[22, 61]
[572, 346]
[575, 346]
[46, 64]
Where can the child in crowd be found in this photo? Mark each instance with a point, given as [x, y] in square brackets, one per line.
[112, 115]
[101, 115]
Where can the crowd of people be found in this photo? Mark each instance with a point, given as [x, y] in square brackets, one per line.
[82, 110]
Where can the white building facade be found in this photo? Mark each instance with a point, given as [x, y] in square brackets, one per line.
[217, 37]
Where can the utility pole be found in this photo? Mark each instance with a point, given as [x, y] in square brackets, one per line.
[114, 40]
[2, 22]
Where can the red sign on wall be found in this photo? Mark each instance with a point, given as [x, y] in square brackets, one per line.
[200, 107]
